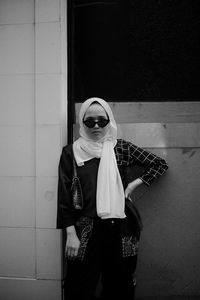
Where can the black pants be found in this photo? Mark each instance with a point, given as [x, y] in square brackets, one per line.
[103, 258]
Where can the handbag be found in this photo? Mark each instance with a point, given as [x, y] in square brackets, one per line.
[77, 195]
[132, 209]
[132, 224]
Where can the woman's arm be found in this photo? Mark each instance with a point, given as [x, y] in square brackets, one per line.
[154, 167]
[65, 209]
[72, 242]
[132, 186]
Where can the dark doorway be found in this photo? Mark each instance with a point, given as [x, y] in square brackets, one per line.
[130, 50]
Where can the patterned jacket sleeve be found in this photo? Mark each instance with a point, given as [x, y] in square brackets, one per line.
[155, 166]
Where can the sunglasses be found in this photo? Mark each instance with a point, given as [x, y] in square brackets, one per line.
[101, 122]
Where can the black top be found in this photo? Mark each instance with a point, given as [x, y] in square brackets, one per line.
[126, 153]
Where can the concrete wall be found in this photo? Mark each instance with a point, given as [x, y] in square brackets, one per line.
[32, 132]
[169, 262]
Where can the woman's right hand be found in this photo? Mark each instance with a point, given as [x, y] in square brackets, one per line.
[72, 243]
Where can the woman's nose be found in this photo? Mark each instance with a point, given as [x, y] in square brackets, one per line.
[96, 125]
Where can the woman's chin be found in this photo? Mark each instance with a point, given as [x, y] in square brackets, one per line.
[96, 136]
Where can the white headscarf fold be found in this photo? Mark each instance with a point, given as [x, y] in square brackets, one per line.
[110, 193]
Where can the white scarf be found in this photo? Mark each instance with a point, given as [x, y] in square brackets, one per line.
[110, 192]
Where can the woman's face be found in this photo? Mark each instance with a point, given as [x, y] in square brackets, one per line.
[95, 112]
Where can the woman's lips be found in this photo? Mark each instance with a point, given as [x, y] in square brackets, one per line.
[96, 131]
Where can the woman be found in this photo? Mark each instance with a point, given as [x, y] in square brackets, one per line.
[101, 239]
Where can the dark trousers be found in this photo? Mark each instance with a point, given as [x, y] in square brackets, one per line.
[103, 258]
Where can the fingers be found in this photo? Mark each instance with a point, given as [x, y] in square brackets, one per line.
[129, 198]
[71, 253]
[127, 194]
[72, 246]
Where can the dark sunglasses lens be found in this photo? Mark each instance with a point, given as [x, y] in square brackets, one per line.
[102, 123]
[91, 123]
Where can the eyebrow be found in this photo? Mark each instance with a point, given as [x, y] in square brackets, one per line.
[98, 116]
[102, 117]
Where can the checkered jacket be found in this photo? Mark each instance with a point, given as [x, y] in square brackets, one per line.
[127, 154]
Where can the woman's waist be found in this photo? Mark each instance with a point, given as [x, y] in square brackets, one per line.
[107, 225]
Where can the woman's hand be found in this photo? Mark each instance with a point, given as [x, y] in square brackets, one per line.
[132, 186]
[72, 243]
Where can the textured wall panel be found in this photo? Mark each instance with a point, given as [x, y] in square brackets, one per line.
[48, 254]
[48, 140]
[17, 99]
[17, 250]
[48, 47]
[48, 99]
[17, 11]
[161, 135]
[47, 10]
[46, 202]
[21, 289]
[154, 112]
[17, 157]
[169, 261]
[17, 49]
[17, 204]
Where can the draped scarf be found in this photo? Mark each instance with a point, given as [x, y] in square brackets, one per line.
[110, 199]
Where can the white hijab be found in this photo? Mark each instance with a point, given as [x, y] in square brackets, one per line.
[110, 193]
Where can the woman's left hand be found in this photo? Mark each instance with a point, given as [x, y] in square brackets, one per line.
[132, 186]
